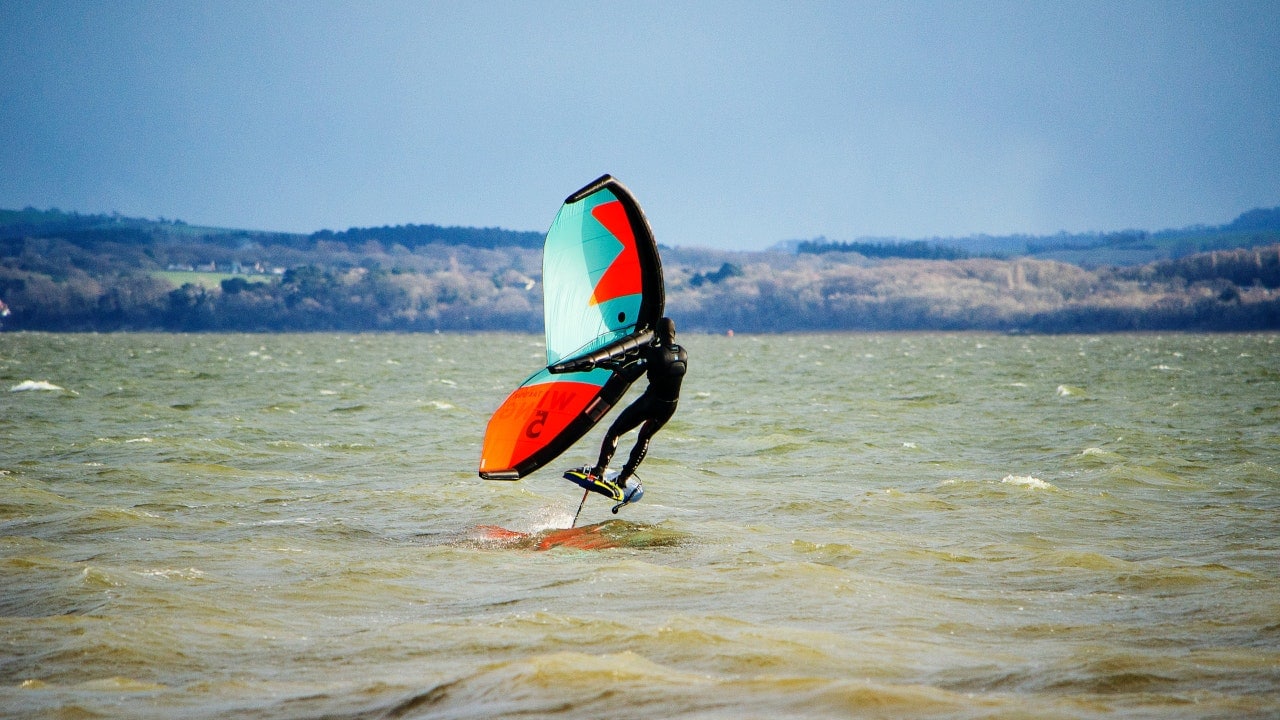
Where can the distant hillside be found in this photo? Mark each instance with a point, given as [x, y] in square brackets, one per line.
[1124, 248]
[98, 233]
[1254, 228]
[80, 229]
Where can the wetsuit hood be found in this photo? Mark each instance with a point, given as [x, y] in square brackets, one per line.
[665, 331]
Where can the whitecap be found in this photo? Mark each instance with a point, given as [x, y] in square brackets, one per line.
[1026, 481]
[173, 574]
[26, 385]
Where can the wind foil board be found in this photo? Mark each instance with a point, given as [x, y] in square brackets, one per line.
[632, 493]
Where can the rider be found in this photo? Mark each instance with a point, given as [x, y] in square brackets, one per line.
[664, 362]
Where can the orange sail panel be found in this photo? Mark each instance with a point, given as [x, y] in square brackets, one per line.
[531, 418]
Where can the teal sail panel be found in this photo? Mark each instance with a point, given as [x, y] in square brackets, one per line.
[601, 274]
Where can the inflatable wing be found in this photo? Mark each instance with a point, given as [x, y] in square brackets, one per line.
[602, 285]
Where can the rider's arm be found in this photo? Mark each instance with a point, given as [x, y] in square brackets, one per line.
[613, 357]
[629, 366]
[623, 362]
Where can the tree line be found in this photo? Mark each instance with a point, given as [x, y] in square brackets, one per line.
[105, 274]
[916, 249]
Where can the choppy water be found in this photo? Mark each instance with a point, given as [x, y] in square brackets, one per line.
[957, 526]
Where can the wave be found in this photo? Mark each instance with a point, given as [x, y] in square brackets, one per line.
[578, 685]
[38, 385]
[1027, 481]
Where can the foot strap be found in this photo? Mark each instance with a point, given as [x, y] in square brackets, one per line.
[583, 479]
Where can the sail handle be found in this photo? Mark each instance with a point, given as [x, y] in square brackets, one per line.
[616, 349]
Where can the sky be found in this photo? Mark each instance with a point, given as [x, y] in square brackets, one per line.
[737, 124]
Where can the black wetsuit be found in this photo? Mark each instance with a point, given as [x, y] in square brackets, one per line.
[665, 366]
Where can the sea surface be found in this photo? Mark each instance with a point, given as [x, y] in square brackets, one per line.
[835, 526]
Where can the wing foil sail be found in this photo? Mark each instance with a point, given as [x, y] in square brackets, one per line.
[602, 285]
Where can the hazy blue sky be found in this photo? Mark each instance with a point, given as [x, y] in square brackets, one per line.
[737, 124]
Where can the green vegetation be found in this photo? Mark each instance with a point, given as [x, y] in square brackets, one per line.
[1128, 247]
[207, 280]
[63, 272]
